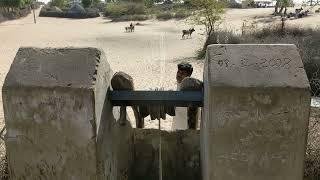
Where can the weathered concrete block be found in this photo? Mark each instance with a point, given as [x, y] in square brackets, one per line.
[57, 116]
[180, 154]
[256, 112]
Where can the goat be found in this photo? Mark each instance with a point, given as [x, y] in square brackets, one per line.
[187, 32]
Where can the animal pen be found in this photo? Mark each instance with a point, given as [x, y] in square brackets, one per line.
[62, 118]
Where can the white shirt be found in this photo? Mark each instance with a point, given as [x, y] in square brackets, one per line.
[180, 120]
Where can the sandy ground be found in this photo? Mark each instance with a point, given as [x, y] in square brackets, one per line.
[150, 54]
[234, 18]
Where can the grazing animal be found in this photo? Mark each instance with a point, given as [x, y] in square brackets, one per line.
[124, 82]
[128, 29]
[298, 10]
[290, 15]
[132, 28]
[302, 14]
[187, 32]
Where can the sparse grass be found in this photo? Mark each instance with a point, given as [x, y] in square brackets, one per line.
[219, 37]
[306, 40]
[170, 11]
[165, 16]
[4, 173]
[312, 158]
[182, 13]
[135, 11]
[130, 18]
[116, 10]
[173, 14]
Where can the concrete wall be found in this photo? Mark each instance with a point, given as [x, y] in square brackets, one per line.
[180, 154]
[180, 151]
[61, 125]
[56, 111]
[256, 113]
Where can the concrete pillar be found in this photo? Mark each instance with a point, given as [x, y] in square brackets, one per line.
[256, 113]
[59, 122]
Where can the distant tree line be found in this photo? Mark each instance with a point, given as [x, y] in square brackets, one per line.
[282, 5]
[65, 3]
[11, 5]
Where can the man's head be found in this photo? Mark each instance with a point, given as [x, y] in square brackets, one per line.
[184, 70]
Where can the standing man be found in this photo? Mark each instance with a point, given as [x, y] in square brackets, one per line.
[180, 120]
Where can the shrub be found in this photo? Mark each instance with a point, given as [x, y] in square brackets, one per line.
[92, 12]
[15, 3]
[75, 12]
[181, 14]
[119, 9]
[115, 10]
[130, 18]
[149, 3]
[135, 8]
[51, 12]
[219, 37]
[101, 6]
[312, 158]
[59, 3]
[4, 171]
[86, 3]
[306, 40]
[164, 16]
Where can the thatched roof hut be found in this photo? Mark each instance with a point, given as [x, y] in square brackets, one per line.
[76, 11]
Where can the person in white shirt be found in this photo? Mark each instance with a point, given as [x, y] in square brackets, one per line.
[180, 119]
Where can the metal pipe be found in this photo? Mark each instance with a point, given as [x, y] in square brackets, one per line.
[168, 98]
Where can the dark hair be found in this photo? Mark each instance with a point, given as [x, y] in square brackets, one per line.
[186, 67]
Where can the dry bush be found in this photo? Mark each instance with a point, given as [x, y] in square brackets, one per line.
[116, 10]
[130, 18]
[4, 173]
[312, 158]
[182, 13]
[219, 37]
[164, 16]
[306, 40]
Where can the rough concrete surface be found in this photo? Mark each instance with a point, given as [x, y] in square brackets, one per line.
[256, 112]
[180, 154]
[55, 112]
[256, 65]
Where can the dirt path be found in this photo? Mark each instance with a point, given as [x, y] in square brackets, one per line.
[150, 54]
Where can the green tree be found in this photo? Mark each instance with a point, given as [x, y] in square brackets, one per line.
[11, 5]
[95, 2]
[149, 3]
[86, 3]
[59, 3]
[208, 13]
[283, 4]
